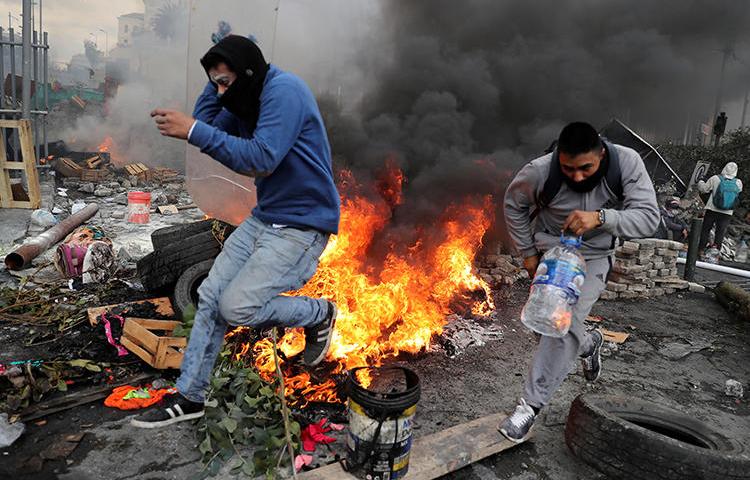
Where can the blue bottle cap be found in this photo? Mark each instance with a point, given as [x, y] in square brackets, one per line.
[571, 241]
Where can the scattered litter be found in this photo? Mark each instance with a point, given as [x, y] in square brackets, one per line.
[40, 423]
[43, 218]
[107, 321]
[733, 388]
[9, 432]
[62, 192]
[314, 434]
[302, 461]
[615, 337]
[77, 207]
[57, 210]
[676, 351]
[595, 319]
[461, 333]
[168, 210]
[63, 447]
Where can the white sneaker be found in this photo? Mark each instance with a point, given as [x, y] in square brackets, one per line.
[516, 427]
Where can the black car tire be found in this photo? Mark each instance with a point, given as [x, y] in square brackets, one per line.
[627, 438]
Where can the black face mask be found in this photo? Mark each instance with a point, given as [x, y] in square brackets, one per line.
[592, 181]
[245, 59]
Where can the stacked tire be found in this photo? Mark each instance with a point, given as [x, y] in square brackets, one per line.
[176, 250]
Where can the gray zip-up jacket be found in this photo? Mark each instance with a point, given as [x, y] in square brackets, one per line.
[637, 217]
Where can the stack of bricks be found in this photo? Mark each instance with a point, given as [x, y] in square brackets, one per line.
[498, 270]
[644, 268]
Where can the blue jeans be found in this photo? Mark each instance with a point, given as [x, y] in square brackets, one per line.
[257, 263]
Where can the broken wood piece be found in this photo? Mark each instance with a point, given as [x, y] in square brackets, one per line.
[77, 398]
[187, 207]
[440, 453]
[734, 299]
[168, 209]
[614, 337]
[163, 307]
[159, 351]
[94, 161]
[594, 318]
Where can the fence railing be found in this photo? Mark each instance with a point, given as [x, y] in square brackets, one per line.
[12, 87]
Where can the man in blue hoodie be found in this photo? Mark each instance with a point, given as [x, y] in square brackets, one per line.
[260, 121]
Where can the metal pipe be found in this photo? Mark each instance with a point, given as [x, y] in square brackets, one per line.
[45, 77]
[12, 48]
[693, 248]
[26, 58]
[2, 69]
[35, 77]
[718, 268]
[23, 255]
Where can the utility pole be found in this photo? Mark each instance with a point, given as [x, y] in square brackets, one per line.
[744, 108]
[726, 51]
[26, 48]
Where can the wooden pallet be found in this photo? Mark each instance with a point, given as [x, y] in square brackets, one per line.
[139, 170]
[158, 350]
[27, 166]
[440, 453]
[94, 175]
[67, 167]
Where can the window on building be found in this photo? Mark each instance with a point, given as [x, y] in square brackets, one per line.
[126, 28]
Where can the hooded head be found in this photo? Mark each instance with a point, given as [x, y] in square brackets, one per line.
[242, 58]
[582, 156]
[730, 170]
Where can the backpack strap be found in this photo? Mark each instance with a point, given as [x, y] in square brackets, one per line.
[555, 179]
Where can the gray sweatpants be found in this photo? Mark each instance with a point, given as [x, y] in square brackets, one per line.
[554, 357]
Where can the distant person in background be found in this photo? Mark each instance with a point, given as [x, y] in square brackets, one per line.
[720, 125]
[725, 193]
[672, 227]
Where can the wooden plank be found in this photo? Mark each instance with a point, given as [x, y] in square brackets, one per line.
[140, 335]
[173, 359]
[440, 453]
[78, 397]
[10, 123]
[12, 165]
[163, 307]
[6, 191]
[29, 158]
[145, 356]
[153, 324]
[616, 337]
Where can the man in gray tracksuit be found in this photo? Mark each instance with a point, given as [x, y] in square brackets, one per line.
[586, 187]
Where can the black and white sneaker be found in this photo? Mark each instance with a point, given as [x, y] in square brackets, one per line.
[592, 363]
[517, 426]
[318, 338]
[172, 409]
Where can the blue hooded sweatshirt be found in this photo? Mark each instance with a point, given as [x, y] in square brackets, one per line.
[288, 152]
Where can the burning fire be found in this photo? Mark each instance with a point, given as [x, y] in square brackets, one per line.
[105, 146]
[394, 308]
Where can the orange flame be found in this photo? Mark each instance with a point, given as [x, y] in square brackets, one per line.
[398, 307]
[106, 145]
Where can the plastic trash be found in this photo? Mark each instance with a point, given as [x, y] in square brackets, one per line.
[77, 207]
[43, 218]
[555, 289]
[741, 253]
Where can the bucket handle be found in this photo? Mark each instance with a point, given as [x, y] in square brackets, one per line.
[371, 446]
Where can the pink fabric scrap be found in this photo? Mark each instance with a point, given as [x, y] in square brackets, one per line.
[108, 330]
[314, 434]
[302, 460]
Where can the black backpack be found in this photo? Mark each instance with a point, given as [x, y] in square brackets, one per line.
[555, 179]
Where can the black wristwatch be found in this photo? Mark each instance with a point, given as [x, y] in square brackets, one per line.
[602, 217]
